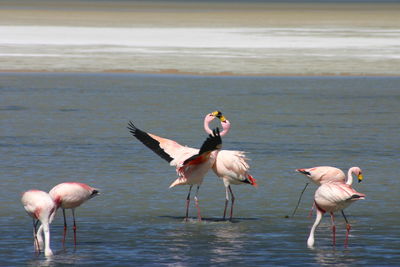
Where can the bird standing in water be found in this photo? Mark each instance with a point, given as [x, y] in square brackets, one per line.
[230, 165]
[331, 197]
[71, 195]
[191, 164]
[324, 174]
[41, 207]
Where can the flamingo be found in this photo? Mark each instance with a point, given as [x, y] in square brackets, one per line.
[191, 164]
[230, 165]
[71, 195]
[41, 207]
[327, 174]
[331, 197]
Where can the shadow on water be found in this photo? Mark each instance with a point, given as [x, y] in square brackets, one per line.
[203, 219]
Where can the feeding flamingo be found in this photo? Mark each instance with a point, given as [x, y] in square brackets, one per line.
[324, 174]
[191, 164]
[41, 207]
[71, 195]
[331, 197]
[230, 165]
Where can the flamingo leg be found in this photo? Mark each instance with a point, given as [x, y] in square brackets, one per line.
[196, 199]
[348, 227]
[187, 203]
[65, 228]
[333, 229]
[35, 239]
[226, 201]
[73, 216]
[232, 201]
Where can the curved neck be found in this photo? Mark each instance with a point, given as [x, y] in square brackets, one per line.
[226, 126]
[207, 121]
[350, 177]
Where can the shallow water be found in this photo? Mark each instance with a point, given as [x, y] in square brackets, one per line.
[72, 127]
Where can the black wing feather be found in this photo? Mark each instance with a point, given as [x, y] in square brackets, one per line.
[151, 143]
[212, 142]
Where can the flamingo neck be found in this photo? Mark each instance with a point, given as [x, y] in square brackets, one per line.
[226, 126]
[207, 121]
[350, 177]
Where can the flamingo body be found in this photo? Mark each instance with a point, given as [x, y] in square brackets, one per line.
[71, 195]
[323, 174]
[41, 207]
[191, 164]
[230, 165]
[327, 174]
[332, 197]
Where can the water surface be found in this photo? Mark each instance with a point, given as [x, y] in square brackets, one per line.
[72, 127]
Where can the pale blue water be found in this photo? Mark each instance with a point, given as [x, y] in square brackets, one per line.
[72, 127]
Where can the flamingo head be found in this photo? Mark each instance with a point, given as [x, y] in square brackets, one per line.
[357, 171]
[209, 118]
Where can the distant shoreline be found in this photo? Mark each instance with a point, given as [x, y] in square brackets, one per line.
[214, 74]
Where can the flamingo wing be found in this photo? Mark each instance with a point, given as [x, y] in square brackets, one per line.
[169, 150]
[336, 196]
[213, 142]
[232, 165]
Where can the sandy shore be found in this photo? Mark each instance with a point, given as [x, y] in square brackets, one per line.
[292, 61]
[161, 14]
[216, 74]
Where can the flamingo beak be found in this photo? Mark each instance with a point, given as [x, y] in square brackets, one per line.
[216, 113]
[360, 177]
[303, 171]
[219, 115]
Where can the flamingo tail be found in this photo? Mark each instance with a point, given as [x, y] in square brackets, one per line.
[251, 180]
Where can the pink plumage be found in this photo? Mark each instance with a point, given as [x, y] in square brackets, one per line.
[323, 174]
[230, 165]
[332, 197]
[41, 207]
[191, 164]
[71, 195]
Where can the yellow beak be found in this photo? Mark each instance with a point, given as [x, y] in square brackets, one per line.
[360, 177]
[219, 115]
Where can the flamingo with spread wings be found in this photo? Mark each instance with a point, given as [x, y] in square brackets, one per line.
[230, 165]
[191, 164]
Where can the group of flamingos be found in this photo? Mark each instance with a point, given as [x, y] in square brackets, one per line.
[334, 193]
